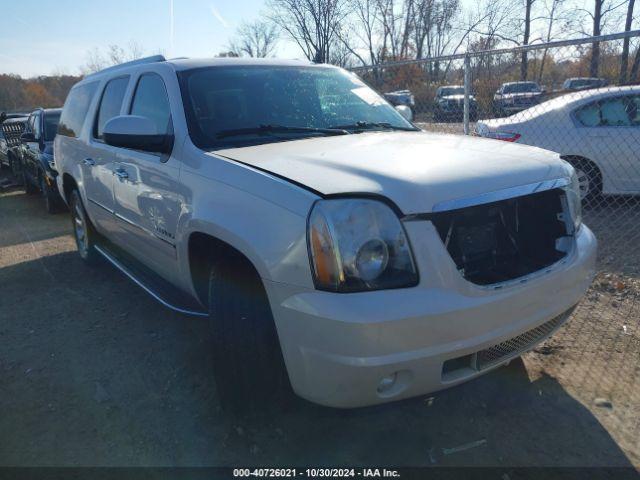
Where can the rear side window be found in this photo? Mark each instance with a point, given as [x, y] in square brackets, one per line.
[611, 112]
[50, 125]
[110, 104]
[75, 109]
[150, 100]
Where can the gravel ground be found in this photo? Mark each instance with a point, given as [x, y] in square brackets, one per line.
[94, 372]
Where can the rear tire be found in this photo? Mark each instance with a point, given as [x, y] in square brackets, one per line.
[15, 169]
[83, 231]
[248, 367]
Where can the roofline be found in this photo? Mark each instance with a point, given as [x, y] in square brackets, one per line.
[138, 61]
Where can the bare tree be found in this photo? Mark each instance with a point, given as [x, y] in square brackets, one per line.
[255, 39]
[635, 67]
[365, 27]
[94, 62]
[601, 9]
[114, 54]
[624, 58]
[556, 12]
[314, 25]
[524, 61]
[397, 19]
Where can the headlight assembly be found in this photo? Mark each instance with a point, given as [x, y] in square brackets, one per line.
[358, 245]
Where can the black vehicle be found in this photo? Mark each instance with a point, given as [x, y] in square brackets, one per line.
[449, 104]
[583, 83]
[37, 164]
[513, 97]
[11, 127]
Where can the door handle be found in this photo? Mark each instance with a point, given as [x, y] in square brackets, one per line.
[121, 173]
[89, 162]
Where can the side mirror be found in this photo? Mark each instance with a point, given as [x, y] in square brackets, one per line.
[405, 112]
[137, 133]
[27, 137]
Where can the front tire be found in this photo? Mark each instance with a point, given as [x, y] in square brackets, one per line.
[83, 230]
[15, 169]
[248, 366]
[29, 187]
[50, 201]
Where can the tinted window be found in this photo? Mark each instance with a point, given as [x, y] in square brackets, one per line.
[229, 98]
[612, 112]
[50, 125]
[452, 91]
[75, 109]
[150, 100]
[521, 88]
[110, 103]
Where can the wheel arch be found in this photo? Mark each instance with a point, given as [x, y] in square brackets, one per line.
[573, 159]
[203, 249]
[68, 185]
[603, 181]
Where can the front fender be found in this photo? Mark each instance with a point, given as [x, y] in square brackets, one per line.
[278, 254]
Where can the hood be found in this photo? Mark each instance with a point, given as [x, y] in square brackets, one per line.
[416, 170]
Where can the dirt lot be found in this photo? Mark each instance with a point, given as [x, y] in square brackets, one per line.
[94, 372]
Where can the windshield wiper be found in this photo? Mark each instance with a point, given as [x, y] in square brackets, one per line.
[262, 129]
[361, 125]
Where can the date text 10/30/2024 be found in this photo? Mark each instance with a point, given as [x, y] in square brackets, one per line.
[315, 473]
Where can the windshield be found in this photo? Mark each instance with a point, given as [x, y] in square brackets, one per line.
[452, 91]
[521, 88]
[50, 126]
[223, 99]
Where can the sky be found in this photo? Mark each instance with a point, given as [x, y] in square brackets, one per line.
[54, 36]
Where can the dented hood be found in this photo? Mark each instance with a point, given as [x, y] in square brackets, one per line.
[416, 170]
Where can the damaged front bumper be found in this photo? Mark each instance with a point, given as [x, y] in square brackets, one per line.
[349, 350]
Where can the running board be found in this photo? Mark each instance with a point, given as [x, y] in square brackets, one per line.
[144, 281]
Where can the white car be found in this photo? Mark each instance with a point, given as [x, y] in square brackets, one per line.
[597, 131]
[333, 247]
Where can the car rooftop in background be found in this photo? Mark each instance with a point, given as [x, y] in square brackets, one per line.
[583, 83]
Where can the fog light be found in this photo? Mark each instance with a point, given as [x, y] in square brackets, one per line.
[387, 383]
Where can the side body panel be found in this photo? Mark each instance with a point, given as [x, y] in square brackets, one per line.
[148, 195]
[240, 206]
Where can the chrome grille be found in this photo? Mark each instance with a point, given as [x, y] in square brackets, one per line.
[521, 343]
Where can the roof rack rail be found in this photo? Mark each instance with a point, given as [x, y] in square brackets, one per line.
[138, 61]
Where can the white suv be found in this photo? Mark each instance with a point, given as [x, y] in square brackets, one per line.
[334, 247]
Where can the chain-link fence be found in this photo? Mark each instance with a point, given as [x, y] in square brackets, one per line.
[580, 98]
